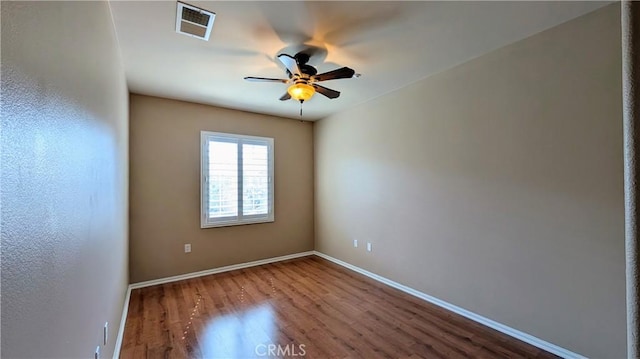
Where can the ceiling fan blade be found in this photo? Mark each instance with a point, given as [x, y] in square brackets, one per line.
[290, 22]
[285, 97]
[327, 92]
[353, 24]
[264, 79]
[290, 63]
[341, 73]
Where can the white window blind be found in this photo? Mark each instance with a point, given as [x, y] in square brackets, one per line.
[237, 179]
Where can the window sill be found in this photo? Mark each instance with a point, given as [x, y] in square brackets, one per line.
[235, 223]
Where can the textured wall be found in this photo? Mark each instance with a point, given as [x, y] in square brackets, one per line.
[631, 105]
[165, 189]
[64, 179]
[496, 186]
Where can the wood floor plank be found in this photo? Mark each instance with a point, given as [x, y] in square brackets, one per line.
[307, 303]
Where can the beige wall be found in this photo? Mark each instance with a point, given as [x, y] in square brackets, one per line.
[495, 186]
[165, 189]
[64, 180]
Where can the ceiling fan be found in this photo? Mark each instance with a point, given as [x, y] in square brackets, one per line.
[304, 78]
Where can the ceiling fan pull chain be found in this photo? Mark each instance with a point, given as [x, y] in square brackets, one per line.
[301, 101]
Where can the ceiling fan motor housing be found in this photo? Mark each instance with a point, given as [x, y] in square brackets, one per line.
[308, 70]
[302, 59]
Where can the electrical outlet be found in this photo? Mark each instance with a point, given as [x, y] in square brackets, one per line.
[368, 246]
[105, 333]
[97, 356]
[187, 248]
[355, 243]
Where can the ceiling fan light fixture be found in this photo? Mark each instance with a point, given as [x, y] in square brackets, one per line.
[301, 91]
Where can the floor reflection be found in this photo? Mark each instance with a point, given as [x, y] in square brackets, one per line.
[194, 311]
[239, 335]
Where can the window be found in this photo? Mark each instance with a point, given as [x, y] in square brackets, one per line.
[237, 179]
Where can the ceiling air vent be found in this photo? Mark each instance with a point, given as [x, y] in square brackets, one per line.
[193, 21]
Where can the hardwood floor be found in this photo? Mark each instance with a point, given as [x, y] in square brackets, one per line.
[306, 307]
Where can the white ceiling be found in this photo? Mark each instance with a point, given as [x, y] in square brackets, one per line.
[392, 44]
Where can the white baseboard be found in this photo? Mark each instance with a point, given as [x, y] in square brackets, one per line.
[125, 310]
[218, 270]
[123, 319]
[527, 338]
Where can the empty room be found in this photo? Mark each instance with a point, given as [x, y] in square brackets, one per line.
[319, 179]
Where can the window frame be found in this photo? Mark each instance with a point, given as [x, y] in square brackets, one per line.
[240, 218]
